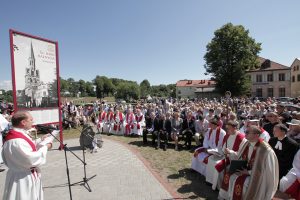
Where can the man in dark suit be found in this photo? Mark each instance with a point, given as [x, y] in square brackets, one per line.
[284, 147]
[165, 128]
[188, 129]
[149, 119]
[273, 119]
[155, 128]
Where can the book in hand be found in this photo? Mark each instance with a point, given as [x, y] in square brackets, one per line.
[49, 139]
[215, 152]
[236, 165]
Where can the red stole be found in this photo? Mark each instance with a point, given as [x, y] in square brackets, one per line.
[294, 190]
[236, 145]
[216, 141]
[109, 116]
[12, 134]
[102, 116]
[239, 183]
[129, 125]
[118, 126]
[129, 118]
[138, 119]
[217, 135]
[203, 149]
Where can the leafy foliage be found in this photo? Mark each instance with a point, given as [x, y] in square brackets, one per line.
[229, 55]
[119, 88]
[6, 96]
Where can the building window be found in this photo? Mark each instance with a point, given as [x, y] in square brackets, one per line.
[281, 77]
[294, 68]
[259, 78]
[270, 92]
[258, 92]
[293, 78]
[297, 67]
[270, 77]
[281, 92]
[179, 91]
[298, 77]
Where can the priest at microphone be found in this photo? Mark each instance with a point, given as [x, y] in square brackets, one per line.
[23, 159]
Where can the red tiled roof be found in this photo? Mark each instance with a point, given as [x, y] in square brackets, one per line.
[266, 65]
[195, 83]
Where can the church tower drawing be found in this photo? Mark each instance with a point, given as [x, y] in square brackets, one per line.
[35, 89]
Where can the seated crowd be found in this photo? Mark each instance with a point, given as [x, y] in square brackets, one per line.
[264, 134]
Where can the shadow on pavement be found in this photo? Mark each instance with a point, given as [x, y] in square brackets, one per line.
[197, 186]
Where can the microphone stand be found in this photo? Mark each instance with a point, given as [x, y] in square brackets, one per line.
[85, 180]
[67, 166]
[66, 158]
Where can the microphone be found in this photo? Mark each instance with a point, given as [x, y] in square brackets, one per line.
[44, 127]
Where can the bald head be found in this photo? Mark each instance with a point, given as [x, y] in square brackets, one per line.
[22, 119]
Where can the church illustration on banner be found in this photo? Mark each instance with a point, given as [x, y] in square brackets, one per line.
[36, 93]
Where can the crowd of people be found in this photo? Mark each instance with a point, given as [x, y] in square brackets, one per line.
[220, 132]
[264, 133]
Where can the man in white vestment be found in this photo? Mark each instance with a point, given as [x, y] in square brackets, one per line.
[139, 123]
[233, 141]
[290, 183]
[3, 125]
[23, 159]
[129, 119]
[213, 140]
[101, 119]
[108, 120]
[201, 126]
[118, 123]
[260, 180]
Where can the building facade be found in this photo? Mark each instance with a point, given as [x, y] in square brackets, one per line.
[295, 82]
[271, 79]
[195, 89]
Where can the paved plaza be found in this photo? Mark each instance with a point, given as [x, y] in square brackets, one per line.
[120, 174]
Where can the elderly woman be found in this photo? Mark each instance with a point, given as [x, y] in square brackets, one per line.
[176, 123]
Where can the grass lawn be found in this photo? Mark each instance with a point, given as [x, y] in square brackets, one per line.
[173, 166]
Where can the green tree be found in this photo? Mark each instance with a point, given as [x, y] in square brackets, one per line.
[89, 88]
[145, 88]
[98, 81]
[64, 85]
[7, 96]
[82, 87]
[171, 90]
[229, 55]
[127, 91]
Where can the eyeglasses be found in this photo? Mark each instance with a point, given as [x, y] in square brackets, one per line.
[247, 132]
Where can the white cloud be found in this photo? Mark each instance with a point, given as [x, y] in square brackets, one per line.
[5, 85]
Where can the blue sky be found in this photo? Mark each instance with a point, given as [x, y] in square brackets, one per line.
[159, 40]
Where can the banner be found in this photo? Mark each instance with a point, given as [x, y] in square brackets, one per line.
[35, 77]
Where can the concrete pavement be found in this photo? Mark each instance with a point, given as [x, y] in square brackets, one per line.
[120, 174]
